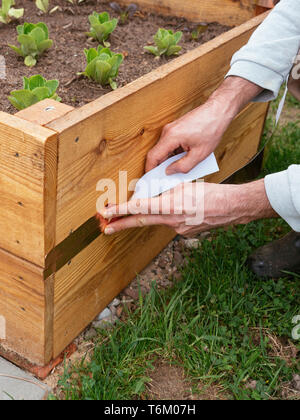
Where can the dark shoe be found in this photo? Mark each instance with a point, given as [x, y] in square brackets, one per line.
[275, 258]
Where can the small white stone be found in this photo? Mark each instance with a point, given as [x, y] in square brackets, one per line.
[113, 309]
[192, 243]
[104, 314]
[115, 302]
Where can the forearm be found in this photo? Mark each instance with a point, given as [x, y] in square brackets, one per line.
[228, 204]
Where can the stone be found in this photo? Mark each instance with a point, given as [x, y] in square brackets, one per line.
[18, 385]
[113, 309]
[205, 235]
[296, 382]
[115, 302]
[104, 314]
[192, 243]
[105, 323]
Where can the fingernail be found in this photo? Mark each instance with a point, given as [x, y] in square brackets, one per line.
[109, 231]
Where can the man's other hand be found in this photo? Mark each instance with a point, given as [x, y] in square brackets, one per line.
[200, 131]
[194, 207]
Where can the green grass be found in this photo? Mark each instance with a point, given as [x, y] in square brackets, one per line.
[213, 322]
[283, 150]
[292, 102]
[204, 323]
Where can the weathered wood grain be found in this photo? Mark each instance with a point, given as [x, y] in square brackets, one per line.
[44, 112]
[26, 305]
[227, 12]
[28, 170]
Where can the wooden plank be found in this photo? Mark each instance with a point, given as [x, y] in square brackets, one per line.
[28, 162]
[26, 306]
[44, 112]
[115, 132]
[71, 246]
[227, 12]
[97, 274]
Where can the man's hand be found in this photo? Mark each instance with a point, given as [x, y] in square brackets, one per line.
[200, 131]
[205, 206]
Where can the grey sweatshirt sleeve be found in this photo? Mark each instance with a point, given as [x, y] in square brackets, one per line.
[267, 61]
[268, 57]
[283, 191]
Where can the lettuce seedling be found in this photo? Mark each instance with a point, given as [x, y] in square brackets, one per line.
[42, 5]
[126, 13]
[103, 66]
[166, 43]
[8, 13]
[35, 89]
[101, 27]
[34, 40]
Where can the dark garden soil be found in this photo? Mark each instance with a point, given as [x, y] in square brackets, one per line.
[67, 28]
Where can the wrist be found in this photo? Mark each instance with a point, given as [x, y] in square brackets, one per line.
[233, 95]
[223, 105]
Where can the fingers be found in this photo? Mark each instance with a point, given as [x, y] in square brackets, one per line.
[157, 155]
[185, 164]
[166, 145]
[137, 221]
[134, 207]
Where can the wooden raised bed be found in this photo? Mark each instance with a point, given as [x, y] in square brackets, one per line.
[57, 272]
